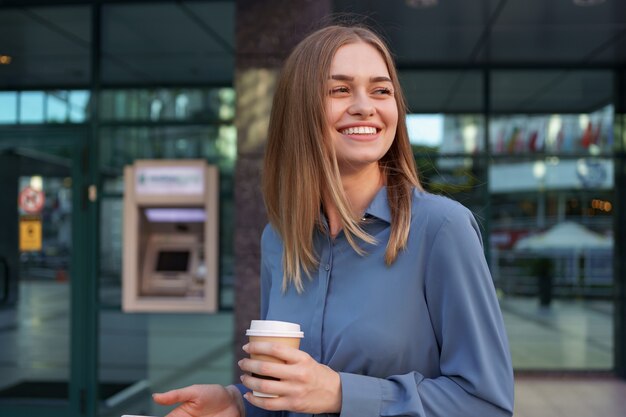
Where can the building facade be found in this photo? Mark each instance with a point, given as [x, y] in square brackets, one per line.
[517, 110]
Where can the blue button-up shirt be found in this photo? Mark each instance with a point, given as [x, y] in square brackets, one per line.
[423, 337]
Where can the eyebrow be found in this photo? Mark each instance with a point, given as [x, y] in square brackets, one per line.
[341, 77]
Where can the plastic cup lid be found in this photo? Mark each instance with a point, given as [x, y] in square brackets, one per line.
[272, 328]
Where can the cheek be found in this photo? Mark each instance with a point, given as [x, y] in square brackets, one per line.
[392, 121]
[332, 110]
[394, 115]
[390, 114]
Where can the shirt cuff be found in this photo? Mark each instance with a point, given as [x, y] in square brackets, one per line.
[251, 410]
[242, 388]
[361, 395]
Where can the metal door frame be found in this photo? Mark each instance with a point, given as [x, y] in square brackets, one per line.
[83, 294]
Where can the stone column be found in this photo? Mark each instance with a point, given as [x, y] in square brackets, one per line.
[266, 31]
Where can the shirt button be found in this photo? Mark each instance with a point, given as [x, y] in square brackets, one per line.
[327, 267]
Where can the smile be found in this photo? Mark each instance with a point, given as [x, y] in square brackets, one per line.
[359, 130]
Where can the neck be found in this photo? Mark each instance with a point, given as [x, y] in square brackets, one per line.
[360, 188]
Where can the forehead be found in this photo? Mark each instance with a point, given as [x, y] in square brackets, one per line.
[358, 58]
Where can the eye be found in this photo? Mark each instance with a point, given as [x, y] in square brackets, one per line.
[339, 90]
[383, 91]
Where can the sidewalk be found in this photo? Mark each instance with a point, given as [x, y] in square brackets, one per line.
[569, 396]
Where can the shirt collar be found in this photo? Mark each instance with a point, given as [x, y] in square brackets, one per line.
[379, 207]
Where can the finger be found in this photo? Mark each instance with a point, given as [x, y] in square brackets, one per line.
[267, 386]
[271, 404]
[271, 369]
[176, 395]
[277, 350]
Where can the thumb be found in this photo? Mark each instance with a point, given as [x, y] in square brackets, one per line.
[175, 396]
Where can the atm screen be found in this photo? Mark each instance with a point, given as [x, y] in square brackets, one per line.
[172, 261]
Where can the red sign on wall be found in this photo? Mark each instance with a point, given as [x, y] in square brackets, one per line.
[31, 200]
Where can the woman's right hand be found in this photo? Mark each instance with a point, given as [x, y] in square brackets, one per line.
[203, 401]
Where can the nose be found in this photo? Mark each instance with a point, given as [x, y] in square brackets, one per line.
[362, 106]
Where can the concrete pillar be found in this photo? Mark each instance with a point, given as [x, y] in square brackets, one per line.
[266, 31]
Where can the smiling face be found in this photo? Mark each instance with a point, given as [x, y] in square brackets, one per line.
[361, 109]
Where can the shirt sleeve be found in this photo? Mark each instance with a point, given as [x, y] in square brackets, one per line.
[476, 372]
[266, 283]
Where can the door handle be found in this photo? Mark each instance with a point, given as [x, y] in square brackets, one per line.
[5, 268]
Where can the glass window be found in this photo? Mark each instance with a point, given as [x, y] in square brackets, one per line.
[446, 134]
[79, 106]
[443, 91]
[159, 105]
[621, 135]
[56, 107]
[590, 133]
[32, 107]
[551, 240]
[460, 178]
[550, 91]
[8, 107]
[120, 146]
[552, 205]
[59, 106]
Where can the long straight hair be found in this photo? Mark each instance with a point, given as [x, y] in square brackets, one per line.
[300, 166]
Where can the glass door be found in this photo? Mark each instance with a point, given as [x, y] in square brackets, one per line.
[43, 302]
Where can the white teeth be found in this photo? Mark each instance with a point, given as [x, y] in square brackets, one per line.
[360, 130]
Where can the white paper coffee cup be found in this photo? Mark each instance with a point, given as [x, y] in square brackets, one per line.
[276, 332]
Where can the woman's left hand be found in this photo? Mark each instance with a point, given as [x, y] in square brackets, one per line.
[305, 385]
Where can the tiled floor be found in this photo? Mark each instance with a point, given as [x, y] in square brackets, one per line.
[568, 335]
[569, 396]
[164, 351]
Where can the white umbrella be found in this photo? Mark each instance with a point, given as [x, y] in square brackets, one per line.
[565, 235]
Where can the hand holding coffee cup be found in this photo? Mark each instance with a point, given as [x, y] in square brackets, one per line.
[282, 332]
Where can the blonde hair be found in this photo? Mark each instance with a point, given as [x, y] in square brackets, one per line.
[300, 167]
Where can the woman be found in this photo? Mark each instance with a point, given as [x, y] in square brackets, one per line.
[389, 283]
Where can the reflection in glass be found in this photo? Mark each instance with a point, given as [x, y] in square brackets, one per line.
[445, 91]
[446, 134]
[56, 227]
[217, 104]
[35, 341]
[556, 133]
[57, 107]
[551, 258]
[620, 142]
[121, 146]
[182, 106]
[8, 107]
[79, 106]
[156, 106]
[32, 107]
[460, 178]
[226, 103]
[543, 91]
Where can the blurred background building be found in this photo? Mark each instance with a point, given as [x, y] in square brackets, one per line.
[517, 110]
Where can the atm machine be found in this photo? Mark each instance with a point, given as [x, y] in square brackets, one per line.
[170, 248]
